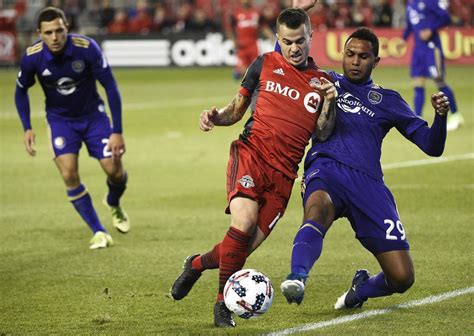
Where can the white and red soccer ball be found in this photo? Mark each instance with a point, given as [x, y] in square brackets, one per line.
[248, 293]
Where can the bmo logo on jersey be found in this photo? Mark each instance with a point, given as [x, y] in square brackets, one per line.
[283, 90]
[311, 101]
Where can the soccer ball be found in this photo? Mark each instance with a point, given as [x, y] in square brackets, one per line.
[248, 293]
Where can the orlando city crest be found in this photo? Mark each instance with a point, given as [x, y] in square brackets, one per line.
[78, 66]
[374, 97]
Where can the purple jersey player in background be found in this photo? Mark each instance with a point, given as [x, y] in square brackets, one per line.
[67, 67]
[424, 19]
[343, 177]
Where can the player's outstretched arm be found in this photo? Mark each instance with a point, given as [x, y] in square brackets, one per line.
[303, 4]
[327, 118]
[226, 116]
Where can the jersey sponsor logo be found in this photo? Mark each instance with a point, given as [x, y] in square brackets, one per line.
[312, 100]
[59, 142]
[65, 86]
[374, 97]
[78, 66]
[279, 71]
[46, 72]
[351, 104]
[284, 91]
[247, 181]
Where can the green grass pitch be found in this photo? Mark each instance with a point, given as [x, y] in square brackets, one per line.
[51, 283]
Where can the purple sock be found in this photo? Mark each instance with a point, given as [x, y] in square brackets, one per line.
[452, 101]
[375, 286]
[82, 201]
[116, 191]
[307, 247]
[419, 100]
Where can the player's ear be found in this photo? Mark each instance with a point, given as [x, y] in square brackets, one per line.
[376, 62]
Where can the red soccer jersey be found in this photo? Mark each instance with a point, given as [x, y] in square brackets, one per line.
[246, 23]
[285, 110]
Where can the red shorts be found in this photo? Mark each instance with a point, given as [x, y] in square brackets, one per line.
[250, 176]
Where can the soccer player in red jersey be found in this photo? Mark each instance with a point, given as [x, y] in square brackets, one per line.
[246, 23]
[291, 100]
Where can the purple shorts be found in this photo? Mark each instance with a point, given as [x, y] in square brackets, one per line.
[67, 136]
[366, 202]
[428, 62]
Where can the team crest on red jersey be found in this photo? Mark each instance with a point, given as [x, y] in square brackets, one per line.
[247, 181]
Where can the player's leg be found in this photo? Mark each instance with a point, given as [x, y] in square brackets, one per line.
[96, 138]
[234, 251]
[375, 219]
[117, 183]
[418, 95]
[66, 143]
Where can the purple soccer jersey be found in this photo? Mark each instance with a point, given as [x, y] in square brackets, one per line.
[74, 109]
[427, 58]
[347, 165]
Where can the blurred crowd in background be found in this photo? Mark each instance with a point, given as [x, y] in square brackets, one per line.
[165, 17]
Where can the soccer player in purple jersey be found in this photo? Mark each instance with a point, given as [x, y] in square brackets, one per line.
[424, 19]
[343, 177]
[67, 67]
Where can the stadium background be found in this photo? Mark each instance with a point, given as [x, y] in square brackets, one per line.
[194, 33]
[50, 283]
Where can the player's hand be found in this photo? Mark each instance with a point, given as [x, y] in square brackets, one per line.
[206, 119]
[440, 103]
[327, 88]
[425, 34]
[29, 140]
[116, 146]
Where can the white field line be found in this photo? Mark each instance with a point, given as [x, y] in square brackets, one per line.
[354, 317]
[395, 165]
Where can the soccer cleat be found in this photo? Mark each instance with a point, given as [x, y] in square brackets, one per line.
[455, 120]
[186, 280]
[223, 316]
[100, 239]
[293, 287]
[120, 218]
[350, 299]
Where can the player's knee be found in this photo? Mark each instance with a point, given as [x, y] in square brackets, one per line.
[402, 282]
[319, 208]
[70, 177]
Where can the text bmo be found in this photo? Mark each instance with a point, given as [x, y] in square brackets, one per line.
[284, 91]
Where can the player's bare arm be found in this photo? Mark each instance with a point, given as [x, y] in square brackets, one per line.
[29, 140]
[440, 103]
[327, 118]
[226, 116]
[303, 4]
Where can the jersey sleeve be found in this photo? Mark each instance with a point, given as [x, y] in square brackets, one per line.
[25, 80]
[429, 140]
[103, 73]
[251, 78]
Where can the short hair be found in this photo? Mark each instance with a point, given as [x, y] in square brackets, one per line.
[366, 34]
[293, 18]
[49, 14]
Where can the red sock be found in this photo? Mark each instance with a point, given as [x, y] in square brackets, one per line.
[209, 260]
[234, 252]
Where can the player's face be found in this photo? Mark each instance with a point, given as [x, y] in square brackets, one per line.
[358, 60]
[295, 44]
[54, 35]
